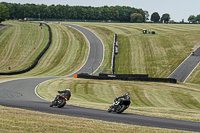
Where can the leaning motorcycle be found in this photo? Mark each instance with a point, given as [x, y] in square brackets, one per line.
[119, 106]
[59, 101]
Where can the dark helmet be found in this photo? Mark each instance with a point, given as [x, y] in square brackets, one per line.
[127, 93]
[68, 89]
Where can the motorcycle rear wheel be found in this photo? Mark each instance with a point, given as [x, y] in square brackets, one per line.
[62, 103]
[123, 107]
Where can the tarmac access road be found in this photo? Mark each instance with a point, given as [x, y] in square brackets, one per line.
[183, 71]
[21, 94]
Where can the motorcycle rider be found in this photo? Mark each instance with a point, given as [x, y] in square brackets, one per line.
[126, 97]
[66, 93]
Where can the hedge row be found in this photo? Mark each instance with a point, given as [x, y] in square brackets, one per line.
[36, 60]
[128, 77]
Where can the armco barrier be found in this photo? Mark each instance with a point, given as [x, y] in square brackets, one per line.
[124, 75]
[127, 77]
[36, 60]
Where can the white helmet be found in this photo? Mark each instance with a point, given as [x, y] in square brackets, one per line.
[68, 89]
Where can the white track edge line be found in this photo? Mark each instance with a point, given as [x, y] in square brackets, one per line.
[191, 72]
[182, 62]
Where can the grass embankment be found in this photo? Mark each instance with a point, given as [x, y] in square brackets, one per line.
[156, 55]
[67, 53]
[21, 43]
[12, 120]
[176, 101]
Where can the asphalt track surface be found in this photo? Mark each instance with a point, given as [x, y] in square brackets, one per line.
[184, 70]
[21, 94]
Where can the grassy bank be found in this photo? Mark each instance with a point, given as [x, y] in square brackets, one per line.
[157, 55]
[12, 120]
[67, 53]
[21, 43]
[176, 101]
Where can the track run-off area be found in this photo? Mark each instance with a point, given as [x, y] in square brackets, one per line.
[21, 93]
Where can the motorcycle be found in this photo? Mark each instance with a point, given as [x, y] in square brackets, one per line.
[59, 101]
[119, 106]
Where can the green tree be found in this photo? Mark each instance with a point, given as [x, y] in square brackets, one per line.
[117, 13]
[198, 18]
[192, 19]
[146, 15]
[136, 18]
[165, 17]
[155, 17]
[3, 13]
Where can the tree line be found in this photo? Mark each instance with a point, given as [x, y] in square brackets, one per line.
[66, 12]
[194, 19]
[115, 13]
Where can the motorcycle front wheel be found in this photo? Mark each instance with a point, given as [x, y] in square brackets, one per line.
[110, 109]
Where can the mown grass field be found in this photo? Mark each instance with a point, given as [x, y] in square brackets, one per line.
[21, 43]
[176, 101]
[12, 120]
[67, 53]
[157, 55]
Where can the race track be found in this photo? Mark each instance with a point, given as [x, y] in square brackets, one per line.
[21, 94]
[184, 70]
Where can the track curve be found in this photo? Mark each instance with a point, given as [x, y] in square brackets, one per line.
[20, 93]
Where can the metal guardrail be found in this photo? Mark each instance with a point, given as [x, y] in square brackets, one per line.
[114, 53]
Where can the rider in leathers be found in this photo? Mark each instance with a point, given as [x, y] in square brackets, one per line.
[66, 93]
[126, 96]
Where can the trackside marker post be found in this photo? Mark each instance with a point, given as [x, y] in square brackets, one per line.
[75, 76]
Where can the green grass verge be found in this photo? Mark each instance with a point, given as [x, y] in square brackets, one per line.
[12, 120]
[176, 101]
